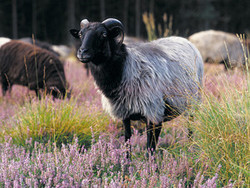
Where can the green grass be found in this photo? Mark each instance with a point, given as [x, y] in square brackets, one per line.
[58, 122]
[221, 134]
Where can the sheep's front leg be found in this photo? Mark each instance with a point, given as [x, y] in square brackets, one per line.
[153, 133]
[126, 123]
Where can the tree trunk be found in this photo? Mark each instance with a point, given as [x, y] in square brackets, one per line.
[102, 7]
[14, 20]
[71, 19]
[151, 6]
[137, 18]
[125, 15]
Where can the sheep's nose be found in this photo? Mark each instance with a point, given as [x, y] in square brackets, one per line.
[84, 55]
[83, 50]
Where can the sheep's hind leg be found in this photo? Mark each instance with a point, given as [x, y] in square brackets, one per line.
[127, 126]
[153, 133]
[5, 86]
[4, 89]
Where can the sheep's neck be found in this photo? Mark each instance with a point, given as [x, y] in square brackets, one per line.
[108, 75]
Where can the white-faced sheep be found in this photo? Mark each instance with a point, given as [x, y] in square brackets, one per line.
[153, 82]
[219, 47]
[24, 64]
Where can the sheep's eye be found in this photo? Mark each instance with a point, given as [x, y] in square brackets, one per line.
[104, 35]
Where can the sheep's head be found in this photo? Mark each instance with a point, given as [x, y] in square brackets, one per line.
[59, 91]
[99, 39]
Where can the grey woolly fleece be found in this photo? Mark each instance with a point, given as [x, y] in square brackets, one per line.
[166, 71]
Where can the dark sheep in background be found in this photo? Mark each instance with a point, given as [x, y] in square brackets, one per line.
[154, 81]
[31, 66]
[40, 44]
[61, 51]
[219, 47]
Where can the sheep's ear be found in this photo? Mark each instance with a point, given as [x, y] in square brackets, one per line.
[74, 33]
[115, 28]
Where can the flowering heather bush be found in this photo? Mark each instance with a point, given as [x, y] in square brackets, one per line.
[217, 81]
[103, 165]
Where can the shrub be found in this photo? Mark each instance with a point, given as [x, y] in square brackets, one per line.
[57, 121]
[103, 165]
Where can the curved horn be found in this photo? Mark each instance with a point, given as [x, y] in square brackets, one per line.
[83, 23]
[111, 24]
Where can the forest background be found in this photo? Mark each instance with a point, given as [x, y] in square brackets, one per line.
[50, 20]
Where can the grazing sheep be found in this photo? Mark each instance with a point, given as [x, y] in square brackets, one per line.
[40, 44]
[27, 65]
[4, 40]
[219, 47]
[153, 82]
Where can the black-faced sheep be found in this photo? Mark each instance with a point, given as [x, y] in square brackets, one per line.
[27, 65]
[153, 82]
[219, 47]
[127, 40]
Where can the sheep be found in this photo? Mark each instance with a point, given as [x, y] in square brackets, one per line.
[28, 65]
[40, 44]
[219, 47]
[61, 51]
[153, 82]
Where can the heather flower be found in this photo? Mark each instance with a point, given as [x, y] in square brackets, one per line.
[68, 167]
